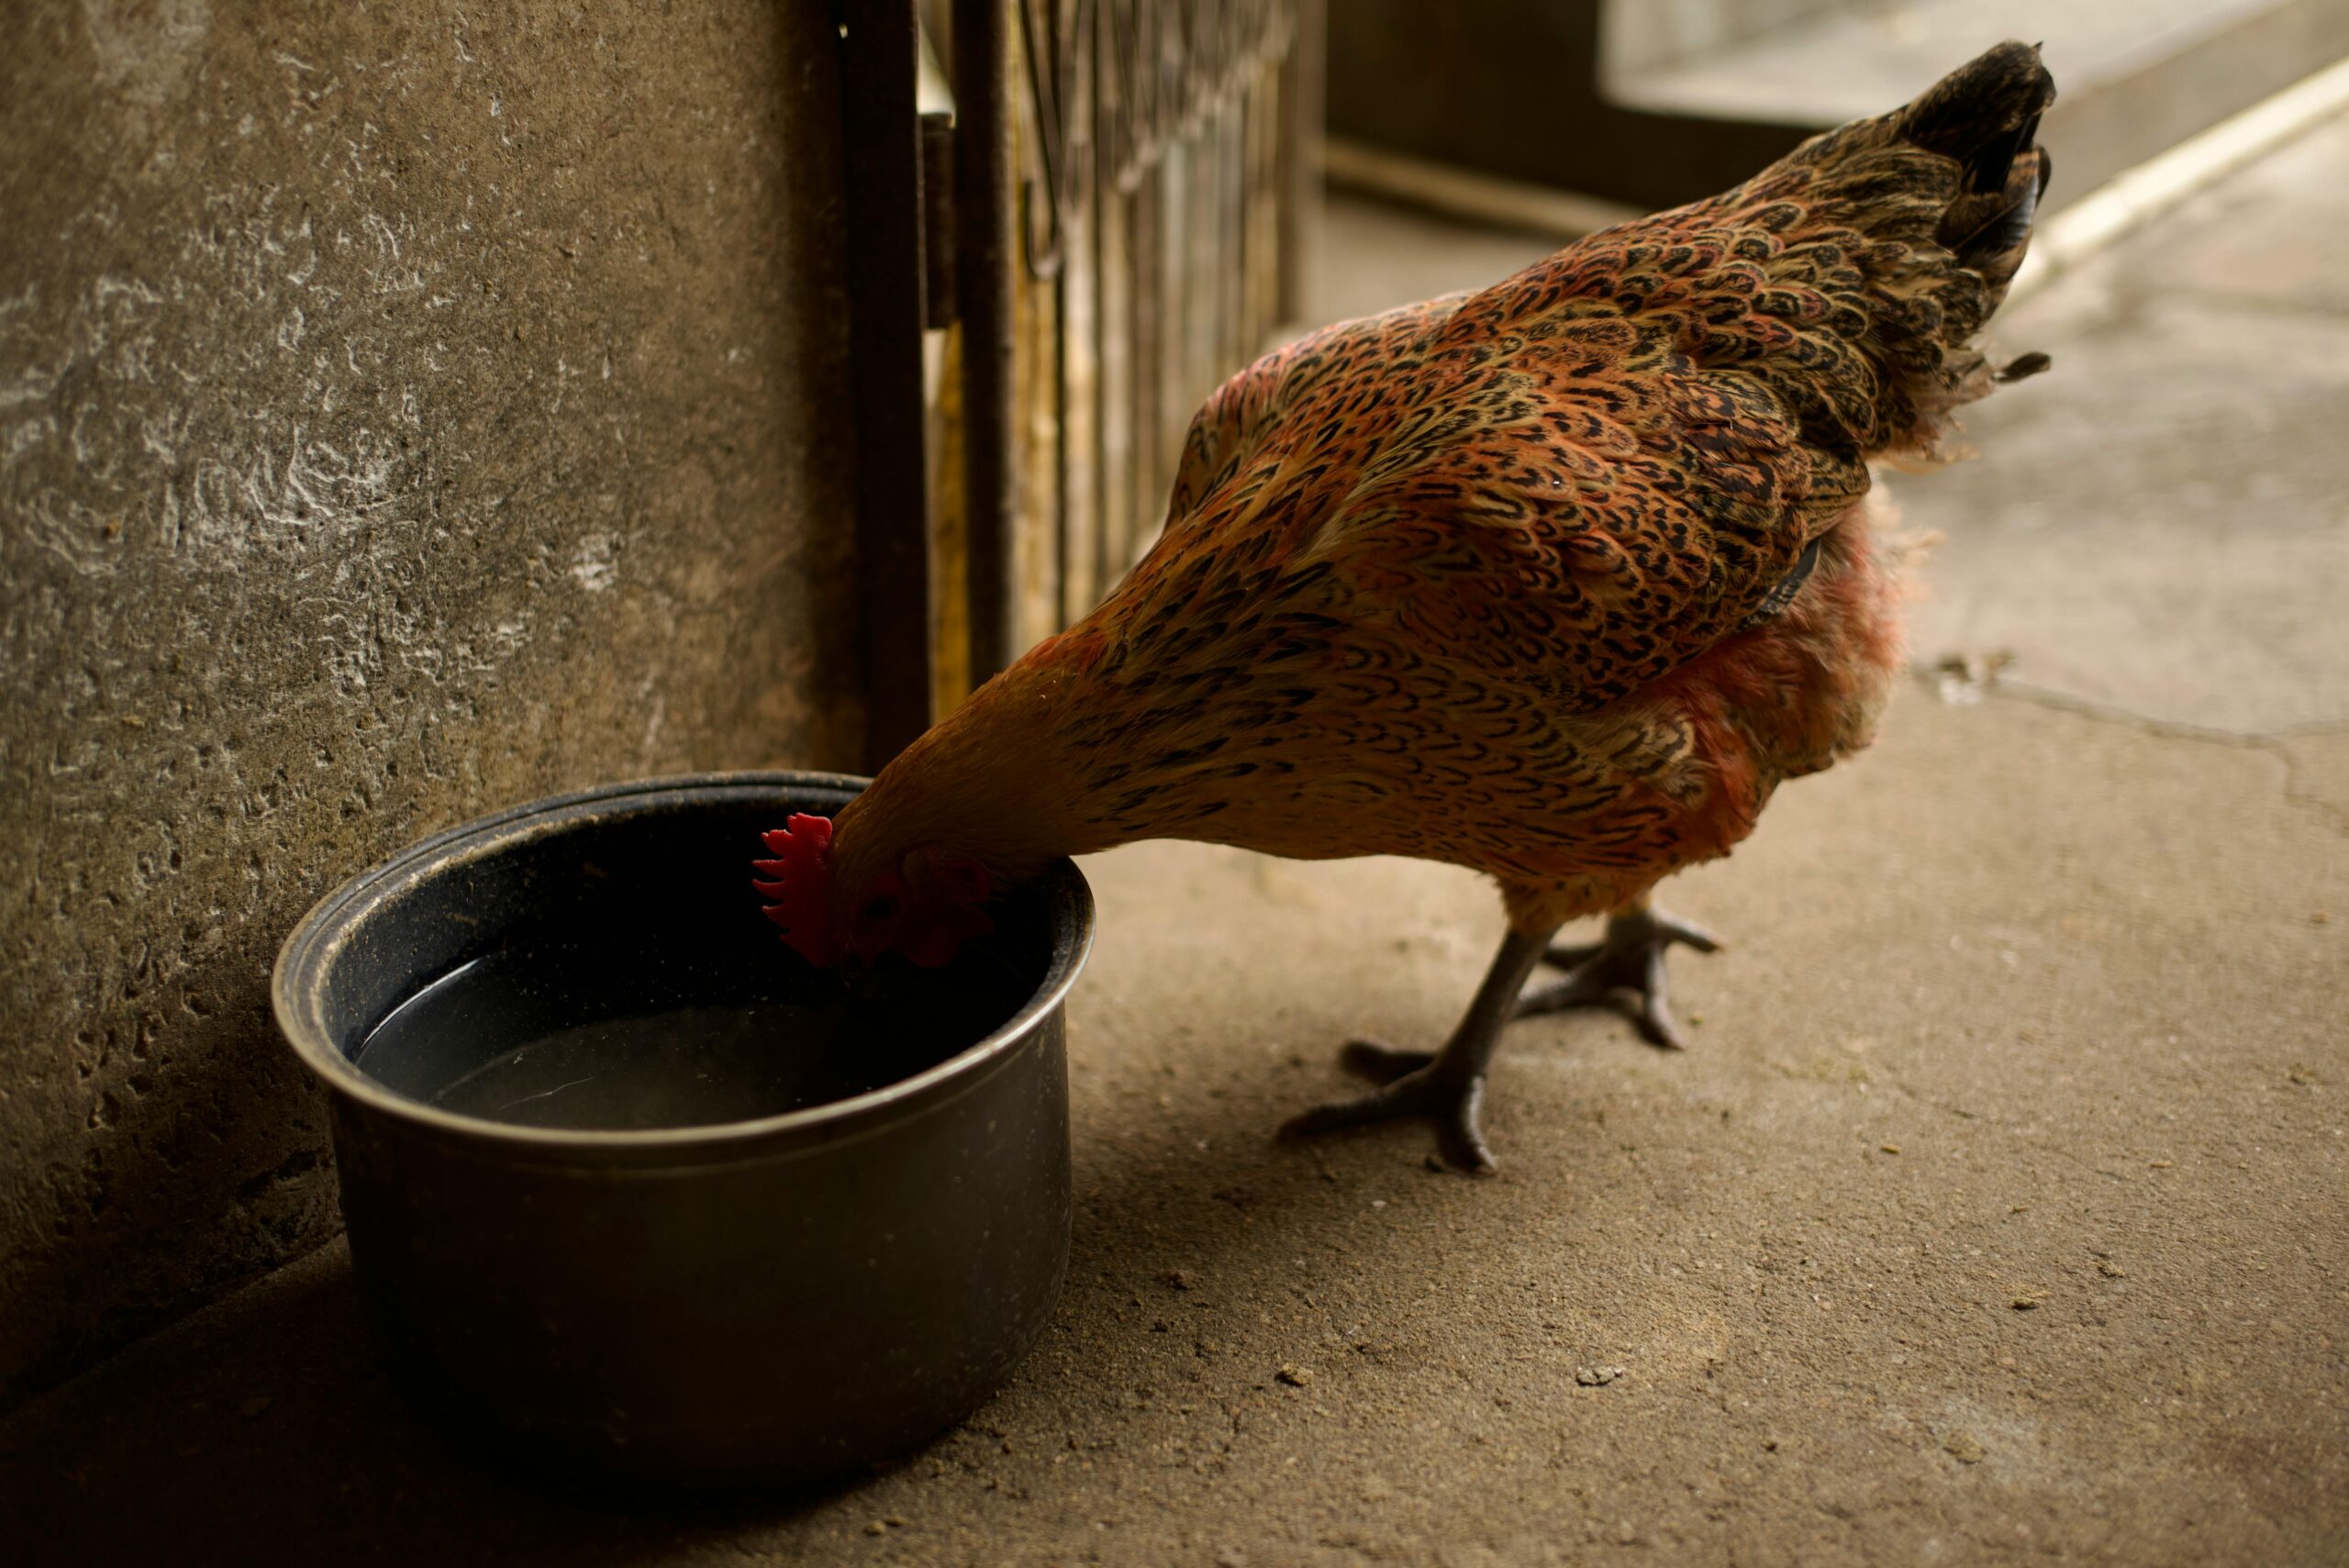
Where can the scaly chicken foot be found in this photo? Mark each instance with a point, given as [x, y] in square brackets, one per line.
[1624, 969]
[1447, 1087]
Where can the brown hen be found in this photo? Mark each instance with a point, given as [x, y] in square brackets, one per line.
[1556, 580]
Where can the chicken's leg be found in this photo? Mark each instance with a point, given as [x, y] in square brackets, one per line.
[1446, 1086]
[1623, 970]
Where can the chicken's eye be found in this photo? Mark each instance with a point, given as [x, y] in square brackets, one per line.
[879, 907]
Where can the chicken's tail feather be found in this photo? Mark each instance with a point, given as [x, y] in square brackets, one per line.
[1947, 190]
[1985, 115]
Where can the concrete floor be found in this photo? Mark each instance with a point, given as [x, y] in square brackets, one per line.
[1998, 1212]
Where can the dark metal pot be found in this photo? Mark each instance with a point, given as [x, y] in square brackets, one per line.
[755, 1301]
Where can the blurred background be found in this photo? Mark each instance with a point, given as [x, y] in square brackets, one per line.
[408, 411]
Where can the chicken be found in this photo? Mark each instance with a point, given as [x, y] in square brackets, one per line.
[1557, 582]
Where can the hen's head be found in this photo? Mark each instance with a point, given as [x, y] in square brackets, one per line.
[926, 906]
[984, 800]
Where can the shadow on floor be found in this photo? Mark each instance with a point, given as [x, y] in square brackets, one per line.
[269, 1432]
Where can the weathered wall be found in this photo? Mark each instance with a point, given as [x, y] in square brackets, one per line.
[1640, 35]
[405, 409]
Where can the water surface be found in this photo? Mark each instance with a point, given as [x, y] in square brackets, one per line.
[685, 1025]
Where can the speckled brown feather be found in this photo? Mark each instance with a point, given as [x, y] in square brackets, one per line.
[1473, 581]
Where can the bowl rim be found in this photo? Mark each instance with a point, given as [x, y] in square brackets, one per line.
[325, 933]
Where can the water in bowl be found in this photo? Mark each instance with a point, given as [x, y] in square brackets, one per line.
[679, 1025]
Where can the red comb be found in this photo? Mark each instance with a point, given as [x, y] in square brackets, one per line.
[797, 886]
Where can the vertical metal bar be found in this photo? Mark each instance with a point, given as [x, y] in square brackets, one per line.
[1082, 578]
[1233, 117]
[1147, 252]
[1038, 419]
[1114, 122]
[1201, 262]
[879, 59]
[1177, 311]
[983, 259]
[938, 219]
[1303, 74]
[1260, 243]
[1267, 111]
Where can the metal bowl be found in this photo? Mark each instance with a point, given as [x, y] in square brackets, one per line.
[763, 1301]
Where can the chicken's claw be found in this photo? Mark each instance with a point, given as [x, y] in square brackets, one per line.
[1447, 1086]
[1381, 1063]
[1411, 1083]
[1624, 969]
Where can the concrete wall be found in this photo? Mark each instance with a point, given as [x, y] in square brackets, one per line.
[406, 409]
[1641, 35]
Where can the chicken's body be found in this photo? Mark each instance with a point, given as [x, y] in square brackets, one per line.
[1556, 580]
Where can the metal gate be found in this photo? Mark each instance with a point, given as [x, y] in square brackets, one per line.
[1132, 188]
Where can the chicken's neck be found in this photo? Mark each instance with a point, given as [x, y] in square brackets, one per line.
[994, 780]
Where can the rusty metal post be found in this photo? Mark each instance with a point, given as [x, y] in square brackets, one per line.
[879, 59]
[983, 263]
